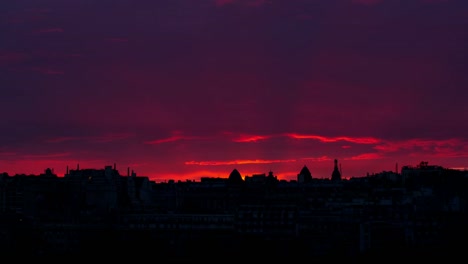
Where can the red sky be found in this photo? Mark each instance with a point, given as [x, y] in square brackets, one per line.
[178, 89]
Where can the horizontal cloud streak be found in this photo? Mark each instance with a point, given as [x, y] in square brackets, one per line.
[365, 156]
[318, 159]
[324, 139]
[237, 162]
[455, 146]
[250, 138]
[358, 140]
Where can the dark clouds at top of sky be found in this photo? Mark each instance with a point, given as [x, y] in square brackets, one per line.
[383, 68]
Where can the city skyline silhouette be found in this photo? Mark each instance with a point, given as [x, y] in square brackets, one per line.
[305, 172]
[420, 212]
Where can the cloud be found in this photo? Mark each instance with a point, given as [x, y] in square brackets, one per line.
[357, 140]
[324, 139]
[250, 138]
[366, 156]
[427, 145]
[176, 136]
[238, 162]
[165, 140]
[318, 159]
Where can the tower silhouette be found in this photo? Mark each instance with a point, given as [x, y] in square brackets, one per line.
[336, 174]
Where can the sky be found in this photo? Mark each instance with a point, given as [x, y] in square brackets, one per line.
[184, 89]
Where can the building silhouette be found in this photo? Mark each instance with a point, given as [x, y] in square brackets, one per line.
[304, 175]
[336, 174]
[421, 211]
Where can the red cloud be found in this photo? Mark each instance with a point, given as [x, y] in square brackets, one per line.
[323, 158]
[165, 140]
[250, 138]
[177, 135]
[366, 156]
[236, 162]
[423, 144]
[358, 140]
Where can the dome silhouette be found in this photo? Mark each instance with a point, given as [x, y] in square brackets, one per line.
[304, 175]
[235, 176]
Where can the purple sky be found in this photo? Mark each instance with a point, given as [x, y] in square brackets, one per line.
[179, 89]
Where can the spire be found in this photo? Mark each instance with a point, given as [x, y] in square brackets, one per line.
[336, 174]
